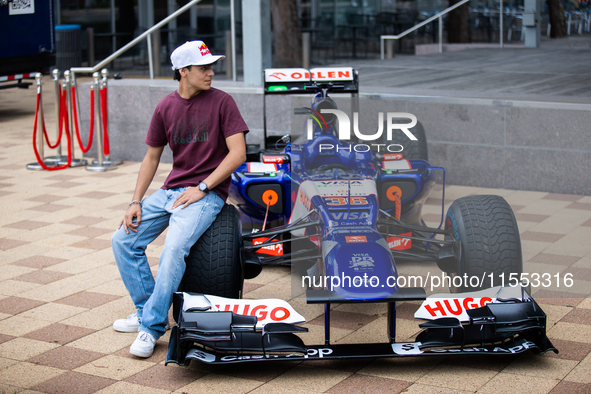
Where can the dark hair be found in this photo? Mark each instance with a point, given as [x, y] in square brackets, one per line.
[176, 74]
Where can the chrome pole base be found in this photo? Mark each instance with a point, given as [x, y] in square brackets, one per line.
[96, 167]
[56, 159]
[109, 162]
[37, 167]
[75, 162]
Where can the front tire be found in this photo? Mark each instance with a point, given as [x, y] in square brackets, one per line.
[213, 265]
[489, 239]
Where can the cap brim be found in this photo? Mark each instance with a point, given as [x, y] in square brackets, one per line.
[210, 60]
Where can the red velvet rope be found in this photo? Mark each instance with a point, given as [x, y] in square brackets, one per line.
[62, 116]
[59, 137]
[75, 114]
[103, 94]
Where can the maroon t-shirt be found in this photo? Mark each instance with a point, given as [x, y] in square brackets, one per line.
[196, 130]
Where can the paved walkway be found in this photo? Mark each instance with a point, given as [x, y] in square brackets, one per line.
[60, 292]
[559, 68]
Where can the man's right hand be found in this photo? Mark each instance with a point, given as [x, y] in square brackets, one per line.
[134, 211]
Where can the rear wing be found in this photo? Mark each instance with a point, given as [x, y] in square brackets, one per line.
[304, 81]
[301, 80]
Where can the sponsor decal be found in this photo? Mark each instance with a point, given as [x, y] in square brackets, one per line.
[407, 349]
[204, 50]
[304, 75]
[273, 250]
[349, 215]
[355, 239]
[361, 260]
[266, 311]
[433, 308]
[392, 156]
[398, 243]
[505, 350]
[272, 159]
[197, 354]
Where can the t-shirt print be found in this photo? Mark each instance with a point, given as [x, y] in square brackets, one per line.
[190, 129]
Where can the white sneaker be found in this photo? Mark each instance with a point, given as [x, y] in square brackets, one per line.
[131, 324]
[143, 346]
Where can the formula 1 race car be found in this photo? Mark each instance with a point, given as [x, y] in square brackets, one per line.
[342, 213]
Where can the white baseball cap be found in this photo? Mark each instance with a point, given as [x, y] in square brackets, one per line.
[192, 53]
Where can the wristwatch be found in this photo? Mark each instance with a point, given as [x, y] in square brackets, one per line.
[203, 187]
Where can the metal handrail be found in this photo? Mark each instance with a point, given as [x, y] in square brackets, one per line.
[136, 40]
[427, 21]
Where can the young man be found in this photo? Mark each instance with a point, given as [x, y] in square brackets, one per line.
[205, 132]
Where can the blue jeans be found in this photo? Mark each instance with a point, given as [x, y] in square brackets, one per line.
[153, 298]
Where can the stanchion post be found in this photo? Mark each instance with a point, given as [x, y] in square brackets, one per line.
[70, 110]
[39, 132]
[102, 163]
[56, 82]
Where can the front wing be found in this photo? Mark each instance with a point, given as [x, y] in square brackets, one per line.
[217, 336]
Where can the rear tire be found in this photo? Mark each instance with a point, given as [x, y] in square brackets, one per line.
[490, 243]
[213, 264]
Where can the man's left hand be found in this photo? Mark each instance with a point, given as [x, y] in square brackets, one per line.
[189, 196]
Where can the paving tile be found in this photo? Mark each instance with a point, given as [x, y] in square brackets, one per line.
[19, 325]
[530, 217]
[59, 333]
[104, 341]
[580, 205]
[510, 384]
[38, 261]
[6, 244]
[65, 185]
[545, 367]
[157, 357]
[361, 384]
[419, 388]
[570, 332]
[83, 220]
[16, 305]
[540, 237]
[27, 374]
[565, 387]
[115, 367]
[350, 365]
[96, 195]
[47, 198]
[65, 357]
[546, 258]
[52, 312]
[168, 378]
[345, 320]
[84, 383]
[579, 316]
[587, 223]
[24, 348]
[270, 388]
[129, 388]
[49, 208]
[87, 299]
[14, 287]
[570, 350]
[561, 197]
[93, 243]
[458, 378]
[42, 277]
[6, 338]
[90, 232]
[27, 225]
[407, 369]
[214, 383]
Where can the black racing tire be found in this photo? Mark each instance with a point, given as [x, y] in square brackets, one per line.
[412, 150]
[489, 237]
[213, 265]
